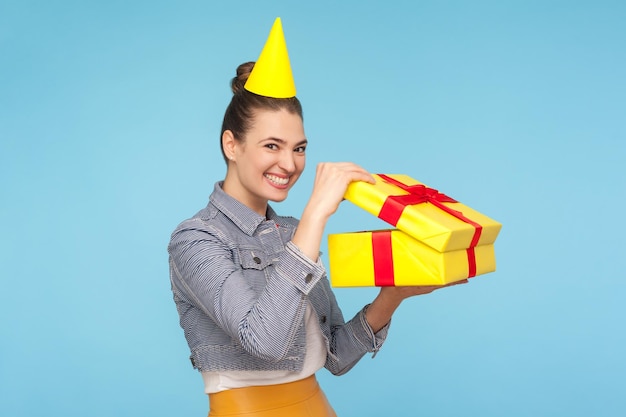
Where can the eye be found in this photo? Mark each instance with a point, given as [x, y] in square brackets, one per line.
[272, 146]
[300, 149]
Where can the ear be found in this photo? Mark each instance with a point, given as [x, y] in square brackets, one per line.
[229, 144]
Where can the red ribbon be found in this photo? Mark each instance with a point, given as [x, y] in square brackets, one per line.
[383, 258]
[393, 207]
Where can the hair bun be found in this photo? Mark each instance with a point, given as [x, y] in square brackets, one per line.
[243, 72]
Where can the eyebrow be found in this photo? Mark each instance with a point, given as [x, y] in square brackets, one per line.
[283, 142]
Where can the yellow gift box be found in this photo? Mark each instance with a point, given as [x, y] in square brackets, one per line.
[393, 258]
[424, 213]
[437, 241]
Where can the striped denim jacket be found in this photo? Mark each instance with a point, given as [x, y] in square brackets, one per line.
[241, 289]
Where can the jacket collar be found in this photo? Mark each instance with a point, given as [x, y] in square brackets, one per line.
[241, 215]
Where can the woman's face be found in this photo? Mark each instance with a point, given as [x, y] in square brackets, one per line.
[268, 161]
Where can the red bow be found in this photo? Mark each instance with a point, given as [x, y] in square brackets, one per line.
[394, 205]
[391, 210]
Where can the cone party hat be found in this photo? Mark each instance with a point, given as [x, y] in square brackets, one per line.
[271, 75]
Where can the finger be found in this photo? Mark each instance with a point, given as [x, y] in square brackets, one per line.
[361, 174]
[364, 176]
[346, 171]
[464, 281]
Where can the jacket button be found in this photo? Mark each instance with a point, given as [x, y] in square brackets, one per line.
[256, 260]
[308, 278]
[323, 319]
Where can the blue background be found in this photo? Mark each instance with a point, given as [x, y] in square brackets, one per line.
[109, 123]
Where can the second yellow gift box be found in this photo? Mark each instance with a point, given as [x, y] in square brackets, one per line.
[424, 213]
[393, 258]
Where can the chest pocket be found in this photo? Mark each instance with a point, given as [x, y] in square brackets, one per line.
[255, 265]
[254, 259]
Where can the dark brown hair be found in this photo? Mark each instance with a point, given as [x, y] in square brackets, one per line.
[240, 112]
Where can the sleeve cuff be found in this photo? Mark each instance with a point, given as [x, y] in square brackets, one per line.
[372, 341]
[297, 268]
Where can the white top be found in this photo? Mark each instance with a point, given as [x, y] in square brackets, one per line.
[314, 360]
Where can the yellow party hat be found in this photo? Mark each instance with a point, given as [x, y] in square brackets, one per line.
[271, 75]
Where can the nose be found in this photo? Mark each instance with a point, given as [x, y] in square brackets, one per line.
[287, 162]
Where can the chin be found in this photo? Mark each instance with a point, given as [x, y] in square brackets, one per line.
[278, 199]
[277, 195]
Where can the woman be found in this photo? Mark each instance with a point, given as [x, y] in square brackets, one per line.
[254, 301]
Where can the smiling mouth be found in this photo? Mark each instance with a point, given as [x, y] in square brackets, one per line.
[277, 180]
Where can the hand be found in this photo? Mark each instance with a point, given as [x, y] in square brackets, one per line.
[401, 293]
[389, 298]
[331, 182]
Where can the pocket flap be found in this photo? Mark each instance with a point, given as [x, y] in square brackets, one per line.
[254, 259]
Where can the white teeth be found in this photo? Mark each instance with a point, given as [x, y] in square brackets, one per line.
[277, 180]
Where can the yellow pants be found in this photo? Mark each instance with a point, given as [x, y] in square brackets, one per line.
[302, 398]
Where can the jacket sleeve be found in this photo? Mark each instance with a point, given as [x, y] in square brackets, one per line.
[265, 323]
[350, 341]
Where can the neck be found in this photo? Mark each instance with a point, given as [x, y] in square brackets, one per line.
[239, 193]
